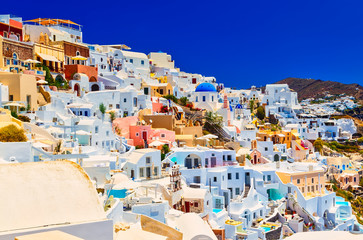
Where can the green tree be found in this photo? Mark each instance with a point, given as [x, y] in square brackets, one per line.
[318, 145]
[164, 150]
[183, 101]
[112, 116]
[102, 108]
[11, 133]
[260, 113]
[252, 105]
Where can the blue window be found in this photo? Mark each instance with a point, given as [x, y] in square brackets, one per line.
[203, 98]
[15, 59]
[142, 62]
[131, 60]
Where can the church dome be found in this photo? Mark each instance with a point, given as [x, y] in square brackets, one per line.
[205, 87]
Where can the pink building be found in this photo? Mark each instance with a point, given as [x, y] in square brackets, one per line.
[256, 157]
[140, 133]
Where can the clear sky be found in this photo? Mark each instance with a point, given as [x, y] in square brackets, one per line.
[239, 42]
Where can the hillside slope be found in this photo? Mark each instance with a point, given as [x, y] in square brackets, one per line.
[307, 88]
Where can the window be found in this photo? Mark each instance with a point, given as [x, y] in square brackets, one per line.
[195, 204]
[11, 98]
[136, 134]
[229, 176]
[266, 149]
[15, 59]
[302, 189]
[141, 172]
[237, 175]
[214, 179]
[203, 98]
[5, 34]
[196, 99]
[155, 171]
[237, 191]
[298, 181]
[206, 162]
[125, 99]
[96, 129]
[107, 133]
[117, 106]
[268, 177]
[229, 157]
[135, 101]
[162, 135]
[312, 180]
[212, 98]
[148, 160]
[142, 62]
[131, 60]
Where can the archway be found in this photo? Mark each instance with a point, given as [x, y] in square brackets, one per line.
[77, 89]
[192, 161]
[276, 158]
[95, 87]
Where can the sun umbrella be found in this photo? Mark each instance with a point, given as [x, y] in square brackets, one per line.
[210, 136]
[42, 82]
[14, 104]
[156, 144]
[79, 58]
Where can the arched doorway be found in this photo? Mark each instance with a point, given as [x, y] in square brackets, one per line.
[255, 159]
[77, 89]
[192, 161]
[95, 87]
[276, 158]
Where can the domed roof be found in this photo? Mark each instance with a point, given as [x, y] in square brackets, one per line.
[205, 87]
[239, 106]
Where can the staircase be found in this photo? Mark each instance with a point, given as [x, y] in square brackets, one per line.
[219, 131]
[247, 190]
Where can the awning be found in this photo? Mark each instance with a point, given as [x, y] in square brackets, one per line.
[48, 57]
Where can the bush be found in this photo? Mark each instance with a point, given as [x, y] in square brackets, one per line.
[183, 101]
[171, 97]
[102, 108]
[11, 133]
[260, 113]
[23, 118]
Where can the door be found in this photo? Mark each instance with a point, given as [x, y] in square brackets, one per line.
[144, 135]
[247, 179]
[132, 173]
[188, 163]
[213, 161]
[148, 172]
[187, 207]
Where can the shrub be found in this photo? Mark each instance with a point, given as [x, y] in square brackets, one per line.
[183, 101]
[11, 133]
[260, 113]
[171, 97]
[102, 108]
[23, 118]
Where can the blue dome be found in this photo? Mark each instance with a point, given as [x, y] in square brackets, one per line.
[238, 106]
[205, 87]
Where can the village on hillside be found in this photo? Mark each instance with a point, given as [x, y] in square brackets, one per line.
[102, 142]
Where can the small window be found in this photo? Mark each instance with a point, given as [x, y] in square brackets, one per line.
[195, 204]
[107, 133]
[96, 129]
[237, 191]
[131, 60]
[229, 176]
[266, 149]
[148, 160]
[142, 62]
[125, 100]
[312, 180]
[141, 172]
[162, 135]
[136, 134]
[214, 179]
[117, 106]
[298, 181]
[237, 175]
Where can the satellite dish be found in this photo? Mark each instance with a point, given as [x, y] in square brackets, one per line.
[108, 176]
[143, 122]
[60, 122]
[151, 121]
[12, 159]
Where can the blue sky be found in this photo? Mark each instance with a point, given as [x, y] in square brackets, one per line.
[239, 42]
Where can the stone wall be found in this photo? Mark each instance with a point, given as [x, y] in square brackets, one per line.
[23, 51]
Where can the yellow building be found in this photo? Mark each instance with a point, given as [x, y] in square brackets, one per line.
[158, 90]
[6, 119]
[50, 56]
[277, 137]
[22, 88]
